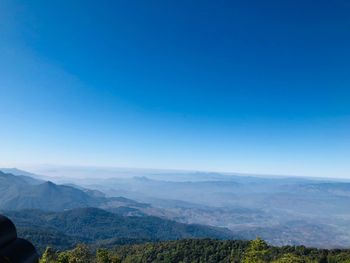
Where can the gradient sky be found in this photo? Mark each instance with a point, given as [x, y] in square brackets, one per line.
[241, 86]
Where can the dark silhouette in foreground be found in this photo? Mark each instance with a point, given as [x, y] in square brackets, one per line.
[12, 248]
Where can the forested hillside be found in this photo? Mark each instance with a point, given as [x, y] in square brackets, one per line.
[198, 250]
[98, 227]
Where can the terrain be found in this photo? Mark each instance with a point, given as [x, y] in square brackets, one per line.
[98, 227]
[281, 210]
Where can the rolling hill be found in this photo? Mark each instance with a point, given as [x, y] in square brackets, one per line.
[99, 227]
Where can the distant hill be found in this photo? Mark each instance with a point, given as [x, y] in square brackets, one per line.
[99, 227]
[20, 192]
[22, 173]
[24, 192]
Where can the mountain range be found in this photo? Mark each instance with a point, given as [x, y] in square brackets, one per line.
[62, 216]
[281, 210]
[24, 192]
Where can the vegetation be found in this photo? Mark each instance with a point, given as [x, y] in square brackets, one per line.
[100, 228]
[198, 251]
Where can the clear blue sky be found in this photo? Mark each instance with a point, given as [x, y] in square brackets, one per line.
[247, 86]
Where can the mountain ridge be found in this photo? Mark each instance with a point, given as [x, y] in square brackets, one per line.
[18, 192]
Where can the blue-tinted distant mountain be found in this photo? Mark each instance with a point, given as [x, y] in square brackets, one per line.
[23, 192]
[67, 173]
[26, 176]
[17, 192]
[19, 172]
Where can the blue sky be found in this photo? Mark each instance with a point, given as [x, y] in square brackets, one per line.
[244, 86]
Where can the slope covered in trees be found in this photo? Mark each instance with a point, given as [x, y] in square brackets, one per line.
[199, 250]
[95, 226]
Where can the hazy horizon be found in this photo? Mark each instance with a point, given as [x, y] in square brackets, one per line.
[81, 171]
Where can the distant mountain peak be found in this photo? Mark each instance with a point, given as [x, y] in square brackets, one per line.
[51, 184]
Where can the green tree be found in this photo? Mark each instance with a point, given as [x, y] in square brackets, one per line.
[102, 256]
[63, 257]
[49, 256]
[289, 258]
[114, 259]
[257, 252]
[340, 258]
[80, 254]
